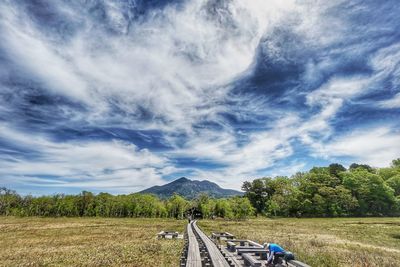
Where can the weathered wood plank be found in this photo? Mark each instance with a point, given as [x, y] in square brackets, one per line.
[249, 260]
[234, 261]
[294, 263]
[193, 257]
[243, 242]
[262, 252]
[222, 236]
[217, 259]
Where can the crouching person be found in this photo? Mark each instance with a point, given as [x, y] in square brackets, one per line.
[276, 254]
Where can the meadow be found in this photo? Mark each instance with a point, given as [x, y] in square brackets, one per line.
[324, 242]
[34, 241]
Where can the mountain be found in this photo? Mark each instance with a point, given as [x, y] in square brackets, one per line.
[190, 189]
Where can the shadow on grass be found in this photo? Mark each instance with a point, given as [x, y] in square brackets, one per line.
[397, 236]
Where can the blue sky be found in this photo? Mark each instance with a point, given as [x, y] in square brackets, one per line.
[117, 96]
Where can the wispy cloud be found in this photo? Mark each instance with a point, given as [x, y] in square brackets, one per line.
[376, 146]
[127, 94]
[391, 103]
[112, 165]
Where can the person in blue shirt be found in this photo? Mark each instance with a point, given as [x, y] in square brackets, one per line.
[275, 252]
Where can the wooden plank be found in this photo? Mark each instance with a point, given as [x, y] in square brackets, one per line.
[249, 260]
[217, 259]
[294, 263]
[253, 243]
[241, 242]
[244, 241]
[230, 236]
[222, 235]
[251, 250]
[193, 257]
[260, 252]
[235, 262]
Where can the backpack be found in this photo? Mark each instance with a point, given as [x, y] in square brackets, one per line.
[289, 256]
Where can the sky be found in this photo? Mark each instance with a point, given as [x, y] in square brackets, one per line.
[119, 95]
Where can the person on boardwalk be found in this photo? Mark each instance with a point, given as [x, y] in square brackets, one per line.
[276, 253]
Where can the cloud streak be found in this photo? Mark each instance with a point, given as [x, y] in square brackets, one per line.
[120, 95]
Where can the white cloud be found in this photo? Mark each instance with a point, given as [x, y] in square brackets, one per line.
[264, 149]
[27, 48]
[391, 103]
[174, 64]
[178, 65]
[240, 161]
[386, 65]
[329, 98]
[377, 146]
[337, 88]
[83, 164]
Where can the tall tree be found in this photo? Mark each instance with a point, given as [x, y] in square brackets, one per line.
[366, 167]
[258, 192]
[374, 196]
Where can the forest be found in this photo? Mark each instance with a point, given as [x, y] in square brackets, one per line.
[133, 205]
[332, 191]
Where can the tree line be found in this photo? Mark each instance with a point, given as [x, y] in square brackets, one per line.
[321, 192]
[329, 191]
[87, 204]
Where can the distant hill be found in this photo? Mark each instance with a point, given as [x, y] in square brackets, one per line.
[190, 189]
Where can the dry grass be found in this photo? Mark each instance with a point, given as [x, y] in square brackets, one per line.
[87, 242]
[132, 242]
[325, 242]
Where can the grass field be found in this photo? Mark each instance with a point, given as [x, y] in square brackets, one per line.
[324, 242]
[87, 242]
[132, 242]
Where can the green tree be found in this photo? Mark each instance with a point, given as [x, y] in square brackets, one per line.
[9, 201]
[396, 163]
[67, 206]
[241, 208]
[85, 203]
[223, 208]
[366, 167]
[317, 189]
[394, 183]
[374, 196]
[259, 191]
[335, 169]
[387, 173]
[103, 205]
[285, 199]
[176, 207]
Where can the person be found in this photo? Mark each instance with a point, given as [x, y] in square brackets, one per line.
[275, 254]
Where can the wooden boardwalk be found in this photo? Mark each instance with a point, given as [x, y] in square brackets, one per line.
[193, 254]
[201, 251]
[217, 259]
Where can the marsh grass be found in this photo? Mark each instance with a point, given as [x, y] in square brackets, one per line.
[359, 242]
[87, 242]
[131, 242]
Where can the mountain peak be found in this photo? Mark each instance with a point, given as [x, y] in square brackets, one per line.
[181, 180]
[191, 189]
